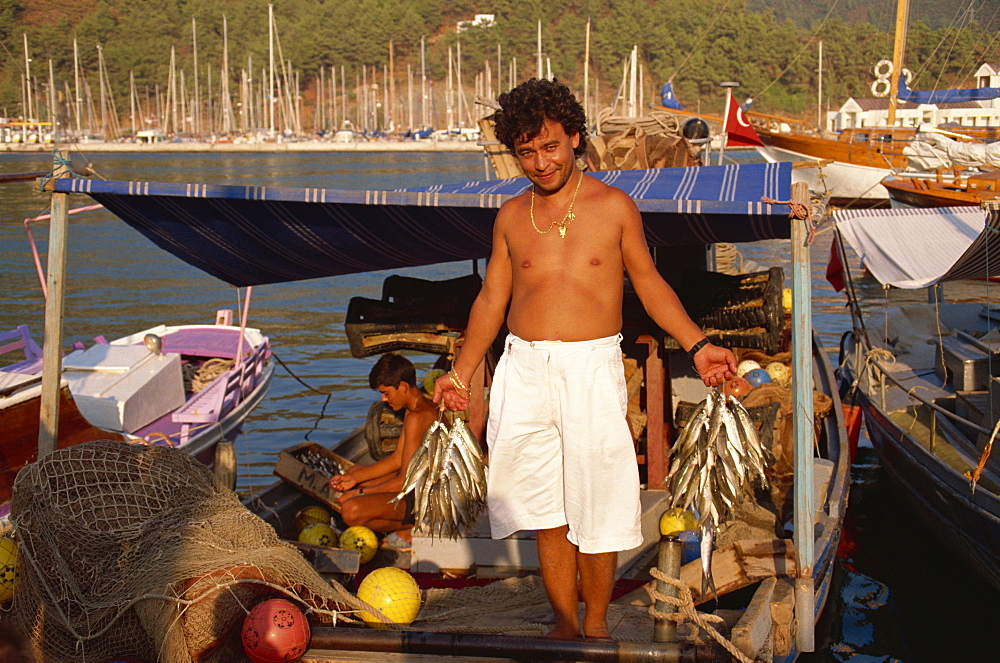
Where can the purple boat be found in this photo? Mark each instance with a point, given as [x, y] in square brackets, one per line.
[186, 386]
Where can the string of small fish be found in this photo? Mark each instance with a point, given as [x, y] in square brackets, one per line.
[718, 459]
[447, 475]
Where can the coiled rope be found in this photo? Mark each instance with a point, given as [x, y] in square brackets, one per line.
[653, 123]
[686, 610]
[196, 379]
[799, 210]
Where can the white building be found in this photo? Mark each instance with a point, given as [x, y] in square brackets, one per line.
[480, 21]
[874, 111]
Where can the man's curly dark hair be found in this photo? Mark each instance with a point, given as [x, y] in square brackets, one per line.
[524, 110]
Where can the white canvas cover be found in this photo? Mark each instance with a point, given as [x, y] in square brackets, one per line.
[915, 248]
[934, 151]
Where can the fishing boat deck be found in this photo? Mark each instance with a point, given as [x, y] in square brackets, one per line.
[477, 551]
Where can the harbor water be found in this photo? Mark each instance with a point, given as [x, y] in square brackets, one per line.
[898, 595]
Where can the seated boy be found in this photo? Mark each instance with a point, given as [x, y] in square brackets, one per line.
[369, 489]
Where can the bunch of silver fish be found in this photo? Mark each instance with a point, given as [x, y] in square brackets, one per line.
[717, 460]
[447, 474]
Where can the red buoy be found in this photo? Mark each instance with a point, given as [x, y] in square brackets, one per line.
[275, 631]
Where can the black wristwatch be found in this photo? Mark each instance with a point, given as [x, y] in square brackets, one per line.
[697, 346]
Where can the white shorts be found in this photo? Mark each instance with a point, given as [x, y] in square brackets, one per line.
[560, 449]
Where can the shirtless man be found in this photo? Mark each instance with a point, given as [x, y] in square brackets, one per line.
[561, 456]
[368, 489]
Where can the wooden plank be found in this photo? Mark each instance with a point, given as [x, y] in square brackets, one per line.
[763, 558]
[743, 563]
[726, 571]
[782, 616]
[753, 628]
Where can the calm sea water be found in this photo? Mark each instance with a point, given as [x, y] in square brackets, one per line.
[898, 597]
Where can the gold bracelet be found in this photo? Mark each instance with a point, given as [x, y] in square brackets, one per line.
[456, 382]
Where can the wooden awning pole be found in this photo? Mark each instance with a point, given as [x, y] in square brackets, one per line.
[803, 430]
[48, 424]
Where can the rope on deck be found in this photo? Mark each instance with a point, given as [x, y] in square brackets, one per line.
[686, 610]
[196, 379]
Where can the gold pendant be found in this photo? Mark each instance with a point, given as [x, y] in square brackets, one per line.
[562, 230]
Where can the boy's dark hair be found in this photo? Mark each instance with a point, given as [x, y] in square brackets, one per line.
[524, 110]
[390, 370]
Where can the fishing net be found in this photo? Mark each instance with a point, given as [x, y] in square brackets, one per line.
[130, 550]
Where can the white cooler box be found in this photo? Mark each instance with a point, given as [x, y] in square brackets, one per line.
[124, 387]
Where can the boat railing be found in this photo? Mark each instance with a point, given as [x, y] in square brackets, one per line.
[222, 394]
[886, 376]
[774, 122]
[19, 338]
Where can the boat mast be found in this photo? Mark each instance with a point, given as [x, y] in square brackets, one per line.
[104, 107]
[78, 101]
[172, 94]
[632, 81]
[227, 102]
[819, 93]
[586, 71]
[132, 99]
[538, 51]
[53, 115]
[898, 51]
[27, 90]
[197, 98]
[270, 85]
[449, 94]
[390, 91]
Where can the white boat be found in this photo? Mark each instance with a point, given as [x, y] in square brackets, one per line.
[348, 134]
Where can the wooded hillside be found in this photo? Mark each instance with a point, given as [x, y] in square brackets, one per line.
[696, 44]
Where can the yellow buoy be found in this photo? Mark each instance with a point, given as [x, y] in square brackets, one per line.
[309, 515]
[779, 373]
[393, 592]
[786, 301]
[432, 377]
[318, 534]
[8, 569]
[677, 520]
[362, 539]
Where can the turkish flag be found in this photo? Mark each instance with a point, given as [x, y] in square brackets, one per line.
[737, 127]
[835, 269]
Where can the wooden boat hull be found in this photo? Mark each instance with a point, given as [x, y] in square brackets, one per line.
[966, 523]
[877, 147]
[916, 192]
[969, 525]
[19, 442]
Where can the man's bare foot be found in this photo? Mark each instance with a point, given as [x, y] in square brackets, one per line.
[564, 633]
[597, 633]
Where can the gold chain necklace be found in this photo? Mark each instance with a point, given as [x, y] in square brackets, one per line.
[567, 218]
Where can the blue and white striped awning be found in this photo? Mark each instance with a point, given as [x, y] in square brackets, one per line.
[249, 235]
[916, 248]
